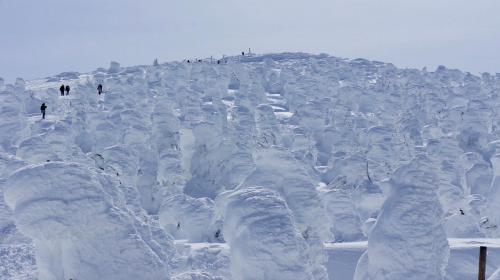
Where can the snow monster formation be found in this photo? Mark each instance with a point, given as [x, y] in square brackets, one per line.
[80, 226]
[267, 162]
[278, 170]
[408, 240]
[264, 240]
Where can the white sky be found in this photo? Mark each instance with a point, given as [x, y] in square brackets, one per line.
[39, 38]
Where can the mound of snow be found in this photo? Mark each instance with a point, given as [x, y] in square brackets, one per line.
[408, 240]
[79, 227]
[114, 67]
[263, 237]
[185, 217]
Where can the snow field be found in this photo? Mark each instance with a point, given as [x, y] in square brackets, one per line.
[244, 170]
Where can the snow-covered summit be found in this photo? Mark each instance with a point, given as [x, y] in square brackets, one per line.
[243, 169]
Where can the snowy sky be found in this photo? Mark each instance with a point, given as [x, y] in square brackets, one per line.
[41, 38]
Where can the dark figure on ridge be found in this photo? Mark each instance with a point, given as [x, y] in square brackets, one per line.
[99, 89]
[42, 108]
[67, 90]
[61, 89]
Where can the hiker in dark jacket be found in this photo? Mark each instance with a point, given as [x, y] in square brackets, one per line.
[61, 89]
[99, 89]
[42, 108]
[67, 90]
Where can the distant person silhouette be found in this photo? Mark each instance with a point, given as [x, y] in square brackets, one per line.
[42, 108]
[242, 53]
[61, 89]
[99, 89]
[67, 89]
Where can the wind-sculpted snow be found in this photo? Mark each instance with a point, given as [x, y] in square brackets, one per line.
[408, 240]
[326, 137]
[264, 240]
[185, 217]
[279, 171]
[166, 141]
[493, 197]
[226, 161]
[9, 232]
[267, 126]
[79, 228]
[13, 124]
[345, 223]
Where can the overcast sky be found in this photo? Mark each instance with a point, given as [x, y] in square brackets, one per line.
[39, 38]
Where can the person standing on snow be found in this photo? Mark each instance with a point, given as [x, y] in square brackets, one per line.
[99, 89]
[61, 89]
[67, 90]
[42, 108]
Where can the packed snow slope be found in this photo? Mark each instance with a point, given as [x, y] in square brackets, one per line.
[249, 169]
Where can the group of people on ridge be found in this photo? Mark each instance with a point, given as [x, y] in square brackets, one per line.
[62, 88]
[219, 61]
[66, 89]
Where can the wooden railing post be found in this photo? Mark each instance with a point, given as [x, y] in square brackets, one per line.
[482, 263]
